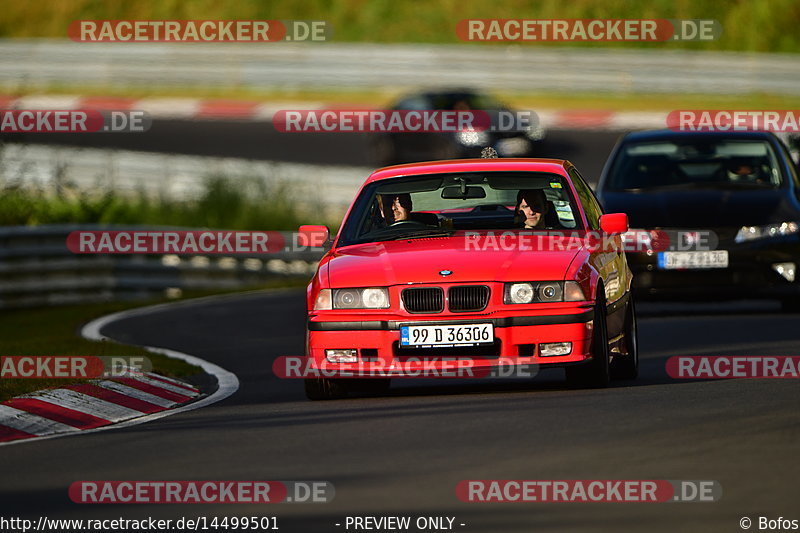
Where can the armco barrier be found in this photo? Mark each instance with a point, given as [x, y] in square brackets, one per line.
[164, 175]
[36, 268]
[26, 65]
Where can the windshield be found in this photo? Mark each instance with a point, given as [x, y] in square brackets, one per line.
[695, 163]
[440, 204]
[450, 101]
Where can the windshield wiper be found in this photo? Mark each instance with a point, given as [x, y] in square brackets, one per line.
[420, 233]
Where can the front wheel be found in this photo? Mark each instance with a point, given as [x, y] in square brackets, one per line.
[324, 389]
[594, 374]
[627, 366]
[335, 389]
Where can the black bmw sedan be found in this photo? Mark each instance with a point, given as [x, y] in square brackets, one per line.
[517, 139]
[718, 214]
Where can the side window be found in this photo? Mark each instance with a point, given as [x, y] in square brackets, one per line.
[587, 198]
[793, 167]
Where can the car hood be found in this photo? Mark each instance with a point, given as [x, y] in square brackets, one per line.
[420, 261]
[702, 208]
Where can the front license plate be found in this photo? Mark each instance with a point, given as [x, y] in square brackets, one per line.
[687, 260]
[453, 335]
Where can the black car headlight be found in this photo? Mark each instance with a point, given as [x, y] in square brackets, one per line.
[527, 292]
[750, 233]
[473, 137]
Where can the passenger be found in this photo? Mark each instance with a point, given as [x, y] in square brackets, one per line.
[532, 206]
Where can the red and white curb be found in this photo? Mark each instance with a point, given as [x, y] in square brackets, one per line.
[89, 405]
[106, 404]
[203, 109]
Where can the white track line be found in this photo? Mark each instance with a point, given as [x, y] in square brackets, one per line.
[227, 382]
[183, 391]
[169, 380]
[30, 423]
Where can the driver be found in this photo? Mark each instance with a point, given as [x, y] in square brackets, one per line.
[401, 207]
[396, 208]
[739, 170]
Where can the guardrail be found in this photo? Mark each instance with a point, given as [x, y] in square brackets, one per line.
[36, 269]
[28, 64]
[175, 175]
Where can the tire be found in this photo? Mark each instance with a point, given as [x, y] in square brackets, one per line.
[627, 366]
[324, 389]
[596, 373]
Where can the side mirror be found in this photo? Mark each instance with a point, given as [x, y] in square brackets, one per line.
[614, 223]
[314, 236]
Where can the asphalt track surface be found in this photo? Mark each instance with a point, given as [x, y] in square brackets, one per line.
[404, 452]
[260, 141]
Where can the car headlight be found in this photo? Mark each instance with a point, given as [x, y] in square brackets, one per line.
[323, 300]
[366, 298]
[542, 291]
[535, 132]
[749, 233]
[472, 137]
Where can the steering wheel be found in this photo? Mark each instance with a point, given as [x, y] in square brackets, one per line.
[408, 223]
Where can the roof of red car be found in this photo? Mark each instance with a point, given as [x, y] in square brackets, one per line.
[557, 166]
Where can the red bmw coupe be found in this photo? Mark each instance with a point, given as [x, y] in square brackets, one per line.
[471, 264]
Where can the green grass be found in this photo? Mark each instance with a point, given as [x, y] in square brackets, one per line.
[56, 331]
[754, 25]
[236, 204]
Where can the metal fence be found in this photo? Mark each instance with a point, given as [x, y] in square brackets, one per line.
[28, 64]
[174, 175]
[37, 268]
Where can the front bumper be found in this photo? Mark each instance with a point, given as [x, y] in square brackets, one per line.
[516, 341]
[749, 273]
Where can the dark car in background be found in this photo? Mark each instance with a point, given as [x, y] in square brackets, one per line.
[720, 213]
[410, 147]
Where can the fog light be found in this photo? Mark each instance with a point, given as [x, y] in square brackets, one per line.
[341, 356]
[785, 269]
[555, 348]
